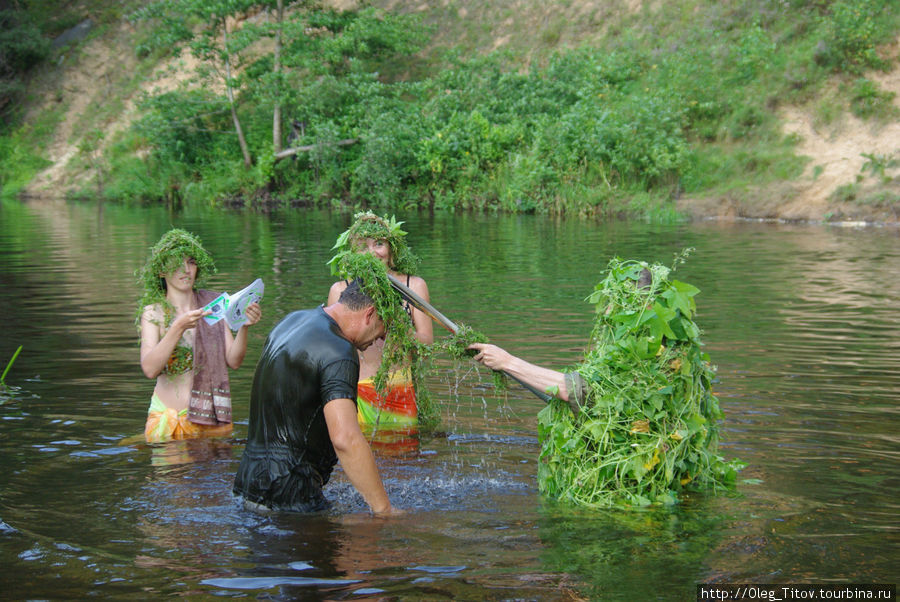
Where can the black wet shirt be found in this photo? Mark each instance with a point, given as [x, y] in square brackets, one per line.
[289, 456]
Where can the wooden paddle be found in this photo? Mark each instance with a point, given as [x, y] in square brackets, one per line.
[428, 309]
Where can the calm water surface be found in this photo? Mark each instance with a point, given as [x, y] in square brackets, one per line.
[801, 321]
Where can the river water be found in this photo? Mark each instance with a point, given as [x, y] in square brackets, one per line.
[801, 321]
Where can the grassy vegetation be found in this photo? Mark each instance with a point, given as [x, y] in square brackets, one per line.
[595, 109]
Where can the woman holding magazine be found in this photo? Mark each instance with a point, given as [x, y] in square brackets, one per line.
[188, 357]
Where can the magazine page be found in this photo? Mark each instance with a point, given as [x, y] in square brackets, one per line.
[238, 302]
[218, 307]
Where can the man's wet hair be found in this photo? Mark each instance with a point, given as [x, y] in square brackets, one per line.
[354, 297]
[645, 279]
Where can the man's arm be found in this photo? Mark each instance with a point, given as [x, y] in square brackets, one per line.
[542, 379]
[355, 455]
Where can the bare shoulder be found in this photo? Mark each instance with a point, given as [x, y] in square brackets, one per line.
[335, 291]
[153, 313]
[418, 285]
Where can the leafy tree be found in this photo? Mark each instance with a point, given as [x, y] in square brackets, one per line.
[308, 42]
[207, 26]
[21, 48]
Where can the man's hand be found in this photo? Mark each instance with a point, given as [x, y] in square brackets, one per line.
[391, 511]
[491, 356]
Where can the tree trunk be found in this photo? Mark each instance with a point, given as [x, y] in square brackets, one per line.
[230, 93]
[276, 112]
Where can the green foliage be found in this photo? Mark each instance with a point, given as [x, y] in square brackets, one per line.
[22, 47]
[867, 100]
[9, 365]
[854, 29]
[753, 54]
[20, 153]
[878, 165]
[648, 428]
[846, 192]
[188, 128]
[457, 345]
[620, 126]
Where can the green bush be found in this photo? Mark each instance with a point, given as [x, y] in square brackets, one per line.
[867, 100]
[854, 29]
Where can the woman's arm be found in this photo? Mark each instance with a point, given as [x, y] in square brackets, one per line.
[236, 345]
[421, 321]
[156, 350]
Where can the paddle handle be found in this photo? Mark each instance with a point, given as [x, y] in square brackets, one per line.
[423, 305]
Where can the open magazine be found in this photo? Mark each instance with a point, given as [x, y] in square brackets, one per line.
[231, 307]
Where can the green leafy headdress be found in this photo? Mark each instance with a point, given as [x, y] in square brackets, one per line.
[368, 225]
[166, 256]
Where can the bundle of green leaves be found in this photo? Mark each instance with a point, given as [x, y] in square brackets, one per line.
[166, 256]
[457, 347]
[648, 427]
[368, 225]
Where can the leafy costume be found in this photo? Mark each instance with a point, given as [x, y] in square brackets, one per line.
[642, 422]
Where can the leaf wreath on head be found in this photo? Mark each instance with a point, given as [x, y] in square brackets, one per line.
[166, 256]
[368, 225]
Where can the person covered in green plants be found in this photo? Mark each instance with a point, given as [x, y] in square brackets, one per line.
[188, 357]
[386, 241]
[636, 422]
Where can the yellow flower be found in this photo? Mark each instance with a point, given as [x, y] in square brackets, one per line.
[653, 461]
[640, 426]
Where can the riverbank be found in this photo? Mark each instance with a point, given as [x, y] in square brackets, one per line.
[795, 157]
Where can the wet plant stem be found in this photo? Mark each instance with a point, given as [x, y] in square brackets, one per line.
[9, 365]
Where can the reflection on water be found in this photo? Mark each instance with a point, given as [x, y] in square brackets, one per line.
[800, 320]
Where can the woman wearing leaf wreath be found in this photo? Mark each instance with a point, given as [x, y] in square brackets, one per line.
[188, 357]
[383, 238]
